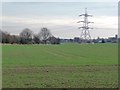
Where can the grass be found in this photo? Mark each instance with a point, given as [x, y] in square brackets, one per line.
[57, 66]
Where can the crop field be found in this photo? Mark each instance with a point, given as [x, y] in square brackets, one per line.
[60, 66]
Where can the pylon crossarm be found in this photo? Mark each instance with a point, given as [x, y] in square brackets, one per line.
[86, 15]
[90, 22]
[82, 15]
[80, 21]
[85, 27]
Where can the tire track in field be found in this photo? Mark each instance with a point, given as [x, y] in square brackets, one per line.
[66, 55]
[56, 54]
[62, 54]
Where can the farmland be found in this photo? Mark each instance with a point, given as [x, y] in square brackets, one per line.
[57, 66]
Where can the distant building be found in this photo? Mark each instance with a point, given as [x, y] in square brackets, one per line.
[98, 40]
[77, 40]
[113, 39]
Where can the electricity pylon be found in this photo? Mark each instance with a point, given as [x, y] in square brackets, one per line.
[85, 34]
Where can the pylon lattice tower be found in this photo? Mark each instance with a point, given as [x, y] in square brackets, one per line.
[85, 34]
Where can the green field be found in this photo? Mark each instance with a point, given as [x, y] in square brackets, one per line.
[58, 66]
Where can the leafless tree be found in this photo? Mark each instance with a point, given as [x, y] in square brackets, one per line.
[44, 34]
[26, 33]
[36, 39]
[54, 40]
[26, 36]
[5, 37]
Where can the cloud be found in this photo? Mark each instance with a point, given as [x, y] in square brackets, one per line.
[38, 20]
[65, 27]
[106, 21]
[99, 21]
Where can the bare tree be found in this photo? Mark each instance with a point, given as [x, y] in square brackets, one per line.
[14, 39]
[44, 34]
[36, 39]
[5, 37]
[54, 40]
[26, 33]
[26, 36]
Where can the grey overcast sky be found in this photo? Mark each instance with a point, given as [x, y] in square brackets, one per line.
[60, 17]
[60, 0]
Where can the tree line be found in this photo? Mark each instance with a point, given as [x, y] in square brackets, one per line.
[28, 37]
